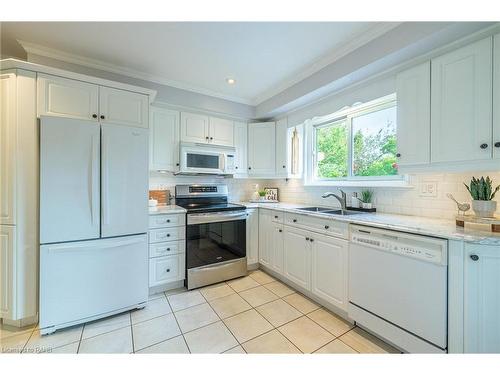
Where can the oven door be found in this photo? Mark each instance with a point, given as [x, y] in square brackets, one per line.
[202, 161]
[215, 238]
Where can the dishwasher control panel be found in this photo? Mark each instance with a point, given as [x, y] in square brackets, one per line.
[419, 247]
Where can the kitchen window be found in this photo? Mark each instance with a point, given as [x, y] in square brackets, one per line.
[357, 143]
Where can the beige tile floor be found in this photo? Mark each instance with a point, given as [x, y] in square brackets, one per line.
[252, 314]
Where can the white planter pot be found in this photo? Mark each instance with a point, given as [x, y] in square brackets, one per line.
[484, 208]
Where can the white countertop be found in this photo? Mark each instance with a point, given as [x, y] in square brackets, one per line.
[168, 209]
[412, 224]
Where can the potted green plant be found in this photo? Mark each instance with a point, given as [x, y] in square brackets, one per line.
[366, 198]
[262, 195]
[482, 193]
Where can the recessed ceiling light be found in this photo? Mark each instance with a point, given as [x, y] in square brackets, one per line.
[230, 81]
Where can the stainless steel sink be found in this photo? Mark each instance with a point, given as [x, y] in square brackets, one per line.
[329, 211]
[315, 209]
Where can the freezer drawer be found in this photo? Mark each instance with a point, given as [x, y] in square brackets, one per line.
[83, 280]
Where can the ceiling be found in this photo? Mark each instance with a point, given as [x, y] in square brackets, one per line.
[263, 58]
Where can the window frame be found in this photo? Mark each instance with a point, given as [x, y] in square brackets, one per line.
[347, 115]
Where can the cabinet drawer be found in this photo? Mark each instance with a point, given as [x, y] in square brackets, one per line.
[166, 234]
[166, 269]
[277, 217]
[165, 221]
[166, 248]
[317, 224]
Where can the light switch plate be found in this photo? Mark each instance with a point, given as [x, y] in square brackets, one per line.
[428, 189]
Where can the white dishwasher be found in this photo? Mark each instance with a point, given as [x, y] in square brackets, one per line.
[398, 287]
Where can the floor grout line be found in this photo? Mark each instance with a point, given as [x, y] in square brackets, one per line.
[132, 331]
[176, 322]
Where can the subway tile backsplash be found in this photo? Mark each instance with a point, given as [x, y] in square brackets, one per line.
[405, 201]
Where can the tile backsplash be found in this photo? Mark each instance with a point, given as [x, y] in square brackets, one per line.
[406, 201]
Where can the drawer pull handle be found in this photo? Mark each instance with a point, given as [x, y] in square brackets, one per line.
[275, 217]
[281, 230]
[294, 220]
[474, 257]
[327, 226]
[312, 240]
[307, 238]
[168, 269]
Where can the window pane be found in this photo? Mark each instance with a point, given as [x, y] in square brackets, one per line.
[331, 150]
[374, 143]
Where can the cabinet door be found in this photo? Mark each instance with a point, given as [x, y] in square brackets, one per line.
[482, 299]
[496, 96]
[265, 237]
[194, 128]
[7, 246]
[221, 131]
[461, 110]
[252, 236]
[124, 163]
[297, 257]
[67, 98]
[413, 89]
[261, 149]
[123, 107]
[277, 248]
[329, 269]
[241, 144]
[7, 149]
[281, 148]
[164, 140]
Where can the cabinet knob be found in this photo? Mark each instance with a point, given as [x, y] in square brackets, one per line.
[497, 144]
[236, 167]
[168, 269]
[275, 216]
[398, 155]
[176, 164]
[168, 234]
[249, 167]
[484, 146]
[327, 226]
[307, 238]
[312, 240]
[102, 117]
[211, 138]
[284, 166]
[294, 220]
[474, 257]
[94, 116]
[281, 230]
[206, 138]
[168, 248]
[168, 220]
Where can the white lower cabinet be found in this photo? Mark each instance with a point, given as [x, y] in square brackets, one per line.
[329, 269]
[277, 248]
[7, 244]
[265, 237]
[481, 299]
[167, 249]
[297, 257]
[252, 234]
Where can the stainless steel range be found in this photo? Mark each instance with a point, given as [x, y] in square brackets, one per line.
[215, 234]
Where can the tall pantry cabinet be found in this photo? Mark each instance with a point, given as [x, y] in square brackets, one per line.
[18, 197]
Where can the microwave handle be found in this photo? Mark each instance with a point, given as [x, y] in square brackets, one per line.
[222, 165]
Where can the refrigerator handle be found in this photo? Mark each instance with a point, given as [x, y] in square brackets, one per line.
[94, 187]
[104, 177]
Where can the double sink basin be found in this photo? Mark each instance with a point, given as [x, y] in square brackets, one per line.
[329, 211]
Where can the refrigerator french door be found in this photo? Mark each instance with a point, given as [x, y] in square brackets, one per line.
[93, 220]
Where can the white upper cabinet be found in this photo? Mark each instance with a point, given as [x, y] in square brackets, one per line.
[481, 299]
[281, 148]
[194, 128]
[164, 140]
[461, 98]
[221, 131]
[329, 269]
[413, 88]
[241, 145]
[7, 149]
[67, 98]
[121, 107]
[261, 149]
[496, 96]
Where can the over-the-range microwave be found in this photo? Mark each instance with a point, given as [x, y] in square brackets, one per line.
[199, 158]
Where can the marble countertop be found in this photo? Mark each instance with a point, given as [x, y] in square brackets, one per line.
[441, 228]
[168, 209]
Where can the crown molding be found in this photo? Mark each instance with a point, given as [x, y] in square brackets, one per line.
[359, 40]
[37, 49]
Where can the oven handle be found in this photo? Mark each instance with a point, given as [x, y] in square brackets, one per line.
[193, 219]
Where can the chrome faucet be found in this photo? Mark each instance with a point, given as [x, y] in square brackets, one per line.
[342, 199]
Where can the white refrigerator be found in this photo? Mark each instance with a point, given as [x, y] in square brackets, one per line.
[93, 220]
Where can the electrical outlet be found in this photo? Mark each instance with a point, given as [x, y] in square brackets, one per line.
[428, 189]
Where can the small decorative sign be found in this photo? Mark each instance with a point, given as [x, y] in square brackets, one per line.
[271, 194]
